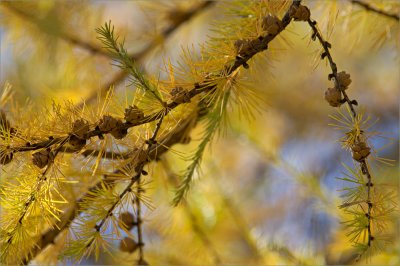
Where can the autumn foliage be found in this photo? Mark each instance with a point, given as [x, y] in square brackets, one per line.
[232, 132]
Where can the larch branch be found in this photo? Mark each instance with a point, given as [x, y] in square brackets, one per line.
[373, 9]
[363, 163]
[161, 147]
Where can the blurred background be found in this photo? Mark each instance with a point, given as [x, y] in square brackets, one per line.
[268, 191]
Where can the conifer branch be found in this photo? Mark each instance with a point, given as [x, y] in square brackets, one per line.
[136, 178]
[124, 61]
[139, 221]
[111, 155]
[216, 101]
[41, 179]
[334, 75]
[214, 119]
[32, 198]
[339, 83]
[370, 8]
[258, 45]
[174, 136]
[247, 49]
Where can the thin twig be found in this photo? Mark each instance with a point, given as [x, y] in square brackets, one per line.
[111, 155]
[363, 164]
[139, 220]
[368, 7]
[325, 45]
[365, 171]
[128, 188]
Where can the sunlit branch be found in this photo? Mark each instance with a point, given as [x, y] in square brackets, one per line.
[163, 145]
[171, 138]
[260, 45]
[136, 178]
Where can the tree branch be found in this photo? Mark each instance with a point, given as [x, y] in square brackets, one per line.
[258, 45]
[128, 189]
[41, 179]
[368, 7]
[174, 136]
[363, 163]
[325, 45]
